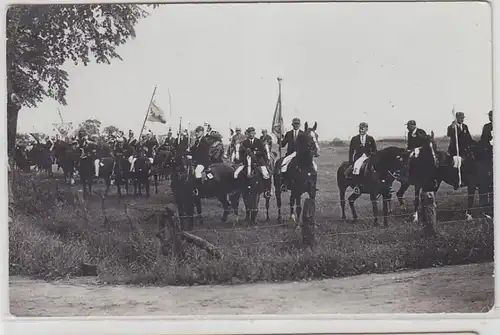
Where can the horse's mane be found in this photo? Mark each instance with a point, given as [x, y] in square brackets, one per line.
[383, 156]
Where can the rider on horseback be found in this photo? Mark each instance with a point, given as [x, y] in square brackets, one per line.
[238, 137]
[266, 139]
[362, 146]
[253, 146]
[487, 133]
[200, 153]
[216, 151]
[464, 142]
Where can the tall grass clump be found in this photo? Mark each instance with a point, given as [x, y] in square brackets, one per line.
[51, 235]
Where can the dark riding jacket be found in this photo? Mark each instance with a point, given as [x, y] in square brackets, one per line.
[486, 134]
[357, 149]
[216, 152]
[416, 139]
[256, 147]
[289, 141]
[200, 151]
[464, 140]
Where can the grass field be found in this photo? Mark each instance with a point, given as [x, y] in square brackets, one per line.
[49, 237]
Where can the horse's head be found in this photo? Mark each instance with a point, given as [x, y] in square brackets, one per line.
[392, 162]
[308, 142]
[182, 161]
[237, 146]
[428, 151]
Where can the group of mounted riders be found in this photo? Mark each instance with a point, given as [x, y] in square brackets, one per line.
[202, 167]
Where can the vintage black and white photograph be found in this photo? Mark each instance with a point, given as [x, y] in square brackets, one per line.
[203, 159]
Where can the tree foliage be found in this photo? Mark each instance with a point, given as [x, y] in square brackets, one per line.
[90, 126]
[41, 38]
[110, 130]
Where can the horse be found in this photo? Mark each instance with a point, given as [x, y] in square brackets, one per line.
[121, 172]
[476, 174]
[271, 162]
[250, 185]
[141, 173]
[301, 175]
[161, 162]
[67, 159]
[188, 192]
[376, 178]
[21, 159]
[234, 151]
[423, 166]
[42, 158]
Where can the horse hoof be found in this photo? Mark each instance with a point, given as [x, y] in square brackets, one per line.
[468, 217]
[294, 218]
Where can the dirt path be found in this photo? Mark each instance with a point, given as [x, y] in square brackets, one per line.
[450, 289]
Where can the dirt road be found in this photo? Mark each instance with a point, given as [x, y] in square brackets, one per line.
[450, 289]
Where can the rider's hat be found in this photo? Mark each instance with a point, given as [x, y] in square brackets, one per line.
[490, 112]
[296, 120]
[460, 114]
[363, 125]
[411, 123]
[238, 128]
[199, 128]
[250, 129]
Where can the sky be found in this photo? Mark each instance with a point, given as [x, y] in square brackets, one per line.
[341, 64]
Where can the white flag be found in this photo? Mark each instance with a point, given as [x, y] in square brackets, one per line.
[156, 114]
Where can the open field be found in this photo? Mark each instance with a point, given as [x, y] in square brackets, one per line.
[49, 238]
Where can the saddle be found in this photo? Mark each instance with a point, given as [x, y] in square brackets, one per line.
[363, 170]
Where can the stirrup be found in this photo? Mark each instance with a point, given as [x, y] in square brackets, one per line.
[357, 190]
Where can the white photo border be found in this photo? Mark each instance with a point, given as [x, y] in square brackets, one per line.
[481, 323]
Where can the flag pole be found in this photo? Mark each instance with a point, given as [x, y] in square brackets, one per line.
[170, 102]
[281, 115]
[147, 113]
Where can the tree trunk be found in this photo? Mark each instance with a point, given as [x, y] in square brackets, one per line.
[12, 114]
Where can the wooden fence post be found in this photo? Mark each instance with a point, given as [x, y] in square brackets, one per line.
[308, 222]
[428, 214]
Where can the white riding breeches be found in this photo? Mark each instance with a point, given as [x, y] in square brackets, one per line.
[415, 153]
[286, 161]
[198, 170]
[457, 162]
[237, 171]
[357, 164]
[97, 163]
[265, 172]
[132, 160]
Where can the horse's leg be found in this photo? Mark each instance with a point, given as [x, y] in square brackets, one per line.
[156, 182]
[148, 187]
[225, 204]
[386, 197]
[342, 190]
[352, 198]
[292, 205]
[298, 206]
[267, 196]
[107, 182]
[401, 192]
[373, 199]
[255, 207]
[416, 203]
[277, 194]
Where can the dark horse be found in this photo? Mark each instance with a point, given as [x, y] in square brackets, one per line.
[42, 158]
[375, 178]
[423, 172]
[161, 163]
[250, 184]
[67, 159]
[141, 173]
[476, 174]
[300, 176]
[188, 192]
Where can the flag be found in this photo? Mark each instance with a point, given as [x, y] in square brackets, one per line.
[156, 114]
[278, 126]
